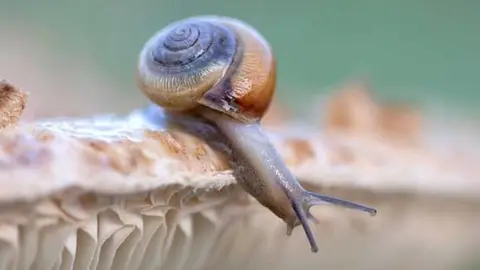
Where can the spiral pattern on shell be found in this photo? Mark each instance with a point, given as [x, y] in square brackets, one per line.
[192, 44]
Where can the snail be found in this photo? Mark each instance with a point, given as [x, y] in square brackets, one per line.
[223, 71]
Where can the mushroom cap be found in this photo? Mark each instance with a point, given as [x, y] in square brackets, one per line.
[129, 192]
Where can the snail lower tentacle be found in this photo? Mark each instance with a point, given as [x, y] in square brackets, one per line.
[223, 71]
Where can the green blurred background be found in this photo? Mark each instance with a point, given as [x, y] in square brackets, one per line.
[420, 51]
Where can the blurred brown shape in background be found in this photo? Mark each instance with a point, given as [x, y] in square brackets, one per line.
[277, 114]
[353, 109]
[12, 104]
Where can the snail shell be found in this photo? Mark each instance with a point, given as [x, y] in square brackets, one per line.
[218, 62]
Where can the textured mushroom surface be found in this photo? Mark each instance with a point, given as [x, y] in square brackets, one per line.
[129, 192]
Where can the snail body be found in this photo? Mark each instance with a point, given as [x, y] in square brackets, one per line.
[223, 71]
